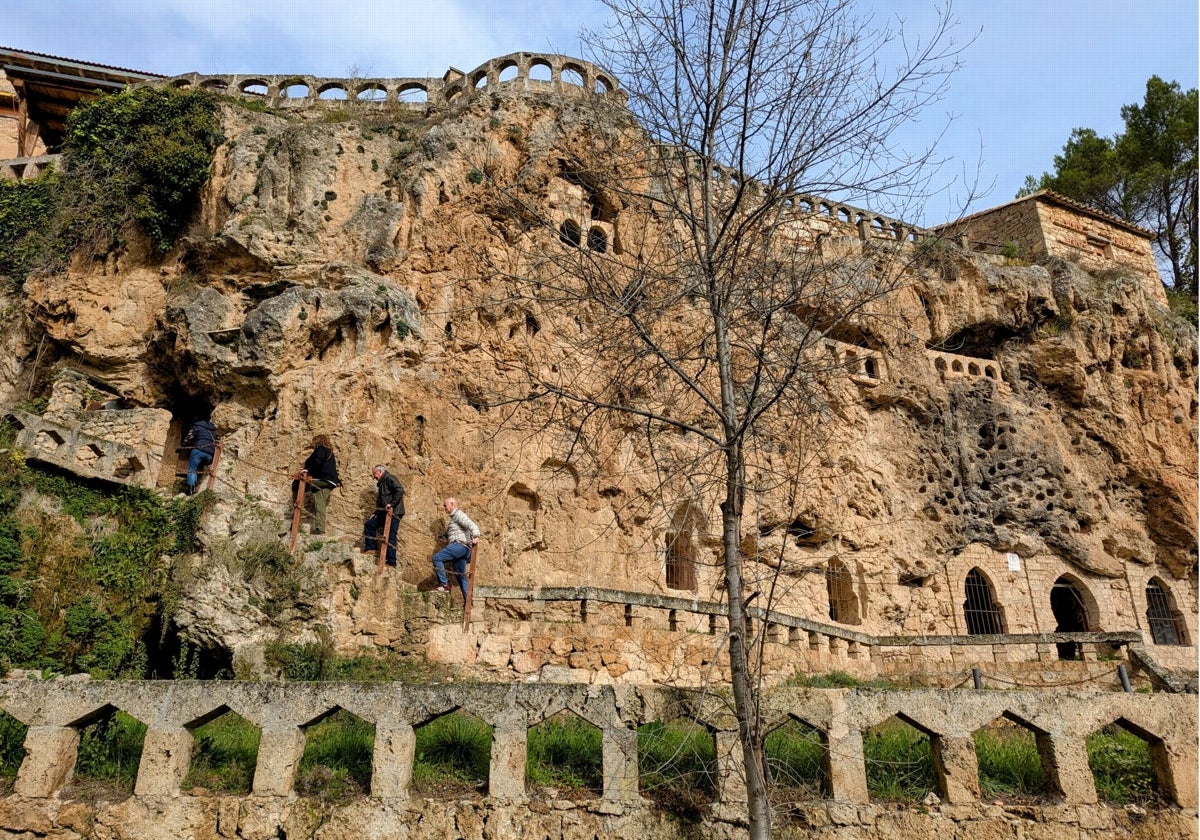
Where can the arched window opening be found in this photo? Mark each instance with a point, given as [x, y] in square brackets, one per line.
[294, 90]
[569, 233]
[414, 93]
[597, 240]
[681, 561]
[572, 76]
[871, 367]
[843, 605]
[1070, 615]
[334, 91]
[539, 71]
[372, 93]
[508, 72]
[1166, 623]
[980, 609]
[255, 88]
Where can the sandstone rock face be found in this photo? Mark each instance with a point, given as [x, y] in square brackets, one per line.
[346, 276]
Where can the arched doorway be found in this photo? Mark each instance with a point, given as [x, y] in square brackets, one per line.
[1070, 614]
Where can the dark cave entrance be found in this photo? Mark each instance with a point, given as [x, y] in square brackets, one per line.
[1070, 615]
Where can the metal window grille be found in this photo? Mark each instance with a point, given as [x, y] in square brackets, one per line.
[681, 563]
[1165, 626]
[980, 610]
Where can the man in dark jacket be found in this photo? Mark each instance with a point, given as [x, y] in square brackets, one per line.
[320, 468]
[201, 438]
[389, 497]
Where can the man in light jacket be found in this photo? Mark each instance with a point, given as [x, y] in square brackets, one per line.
[461, 534]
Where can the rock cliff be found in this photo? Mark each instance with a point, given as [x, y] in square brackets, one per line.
[345, 275]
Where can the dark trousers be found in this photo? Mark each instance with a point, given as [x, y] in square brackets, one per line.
[372, 533]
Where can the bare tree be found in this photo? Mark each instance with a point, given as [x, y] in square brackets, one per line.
[703, 297]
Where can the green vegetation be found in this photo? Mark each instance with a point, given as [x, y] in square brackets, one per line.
[109, 752]
[1120, 763]
[12, 746]
[677, 767]
[796, 756]
[1146, 175]
[453, 754]
[899, 762]
[316, 661]
[564, 752]
[336, 765]
[133, 159]
[224, 754]
[26, 211]
[80, 587]
[1008, 761]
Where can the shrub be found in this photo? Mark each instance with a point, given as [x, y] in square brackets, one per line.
[1120, 763]
[336, 765]
[224, 754]
[140, 155]
[677, 767]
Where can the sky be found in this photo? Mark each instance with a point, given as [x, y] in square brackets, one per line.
[1032, 70]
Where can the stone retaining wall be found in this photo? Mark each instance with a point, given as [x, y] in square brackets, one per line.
[56, 711]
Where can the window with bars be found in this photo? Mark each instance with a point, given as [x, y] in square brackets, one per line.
[980, 610]
[681, 561]
[1166, 624]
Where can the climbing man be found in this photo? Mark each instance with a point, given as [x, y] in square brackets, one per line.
[461, 534]
[201, 439]
[389, 498]
[320, 469]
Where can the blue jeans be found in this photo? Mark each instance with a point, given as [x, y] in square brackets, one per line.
[456, 554]
[197, 459]
[373, 532]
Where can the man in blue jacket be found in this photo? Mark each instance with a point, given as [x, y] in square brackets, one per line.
[201, 438]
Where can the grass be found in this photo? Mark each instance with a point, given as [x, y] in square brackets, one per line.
[899, 762]
[796, 758]
[336, 765]
[109, 752]
[564, 752]
[12, 750]
[1009, 764]
[453, 755]
[224, 754]
[1121, 766]
[677, 767]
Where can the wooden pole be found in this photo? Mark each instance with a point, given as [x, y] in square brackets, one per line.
[385, 538]
[302, 477]
[212, 467]
[470, 589]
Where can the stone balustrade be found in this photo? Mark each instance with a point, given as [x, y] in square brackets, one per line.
[953, 366]
[26, 168]
[56, 711]
[73, 449]
[558, 74]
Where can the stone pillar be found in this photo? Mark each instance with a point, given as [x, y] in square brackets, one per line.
[50, 753]
[847, 767]
[166, 754]
[279, 753]
[506, 776]
[1175, 769]
[731, 771]
[1065, 764]
[619, 746]
[392, 761]
[956, 767]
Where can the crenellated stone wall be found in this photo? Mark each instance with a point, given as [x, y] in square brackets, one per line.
[56, 711]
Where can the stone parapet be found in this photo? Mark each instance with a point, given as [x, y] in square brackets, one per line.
[55, 711]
